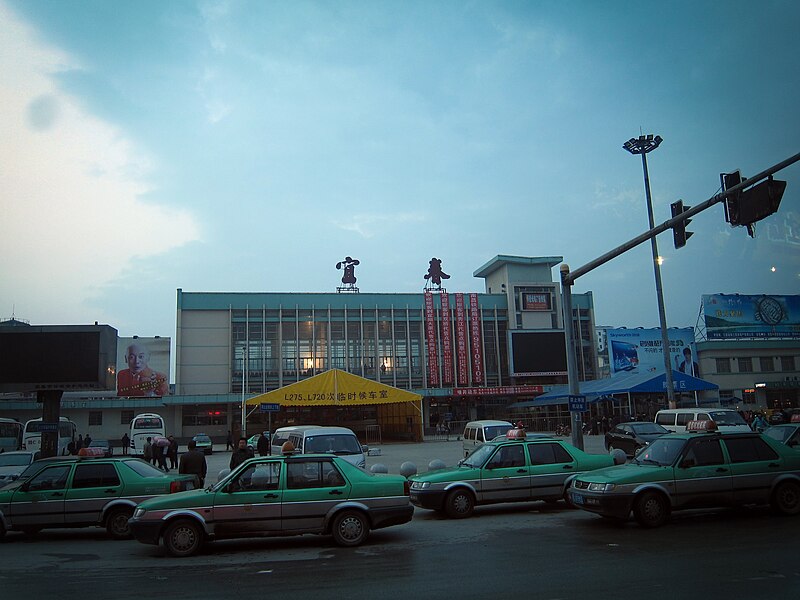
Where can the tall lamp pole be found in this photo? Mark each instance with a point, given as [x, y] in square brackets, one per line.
[642, 145]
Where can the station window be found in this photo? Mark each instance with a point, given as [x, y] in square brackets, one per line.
[95, 417]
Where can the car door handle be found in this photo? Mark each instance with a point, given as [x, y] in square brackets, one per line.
[57, 494]
[111, 491]
[335, 493]
[773, 465]
[522, 471]
[722, 470]
[567, 466]
[270, 495]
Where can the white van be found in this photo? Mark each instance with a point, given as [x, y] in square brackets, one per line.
[676, 419]
[478, 432]
[281, 436]
[330, 440]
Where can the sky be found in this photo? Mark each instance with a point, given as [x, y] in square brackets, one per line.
[249, 146]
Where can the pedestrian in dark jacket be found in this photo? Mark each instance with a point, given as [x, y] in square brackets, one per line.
[263, 444]
[241, 454]
[193, 462]
[126, 443]
[172, 452]
[160, 456]
[147, 450]
[79, 443]
[87, 440]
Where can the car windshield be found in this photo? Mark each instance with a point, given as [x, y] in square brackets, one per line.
[648, 428]
[332, 444]
[142, 468]
[662, 452]
[727, 417]
[14, 460]
[479, 456]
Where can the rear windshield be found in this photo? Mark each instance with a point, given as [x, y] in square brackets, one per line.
[727, 417]
[14, 460]
[492, 431]
[144, 469]
[202, 438]
[148, 423]
[332, 444]
[645, 428]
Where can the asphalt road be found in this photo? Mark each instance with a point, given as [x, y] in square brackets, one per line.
[531, 550]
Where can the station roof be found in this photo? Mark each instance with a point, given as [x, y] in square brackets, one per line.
[502, 259]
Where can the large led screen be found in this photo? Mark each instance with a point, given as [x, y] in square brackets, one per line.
[537, 353]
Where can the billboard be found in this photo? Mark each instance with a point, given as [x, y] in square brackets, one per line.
[57, 357]
[538, 353]
[639, 350]
[143, 367]
[735, 316]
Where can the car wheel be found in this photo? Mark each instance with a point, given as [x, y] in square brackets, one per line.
[2, 530]
[567, 500]
[183, 538]
[786, 498]
[350, 528]
[651, 509]
[459, 504]
[117, 523]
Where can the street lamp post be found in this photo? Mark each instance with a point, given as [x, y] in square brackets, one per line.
[642, 145]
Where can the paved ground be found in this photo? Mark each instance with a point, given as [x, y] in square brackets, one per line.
[393, 455]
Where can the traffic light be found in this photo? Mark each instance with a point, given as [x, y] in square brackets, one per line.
[730, 180]
[749, 206]
[679, 233]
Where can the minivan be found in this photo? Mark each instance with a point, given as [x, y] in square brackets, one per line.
[479, 432]
[281, 436]
[676, 419]
[340, 441]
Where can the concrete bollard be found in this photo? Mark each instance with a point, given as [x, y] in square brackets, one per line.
[407, 469]
[619, 456]
[378, 468]
[436, 464]
[223, 473]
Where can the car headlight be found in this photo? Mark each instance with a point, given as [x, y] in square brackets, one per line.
[139, 513]
[420, 485]
[601, 487]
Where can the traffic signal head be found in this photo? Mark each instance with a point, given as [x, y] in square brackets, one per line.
[730, 180]
[679, 233]
[760, 201]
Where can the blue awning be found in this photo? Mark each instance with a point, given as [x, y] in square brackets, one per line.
[621, 383]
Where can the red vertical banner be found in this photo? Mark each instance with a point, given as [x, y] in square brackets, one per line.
[447, 344]
[462, 354]
[430, 335]
[475, 339]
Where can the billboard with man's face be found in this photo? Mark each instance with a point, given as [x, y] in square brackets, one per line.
[143, 367]
[639, 350]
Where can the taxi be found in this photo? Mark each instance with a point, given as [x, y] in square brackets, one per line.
[697, 469]
[516, 468]
[289, 494]
[83, 491]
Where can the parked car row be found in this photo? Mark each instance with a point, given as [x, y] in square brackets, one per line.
[321, 493]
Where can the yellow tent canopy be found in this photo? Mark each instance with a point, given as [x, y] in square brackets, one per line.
[335, 388]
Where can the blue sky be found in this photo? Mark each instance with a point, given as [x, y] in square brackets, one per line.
[250, 145]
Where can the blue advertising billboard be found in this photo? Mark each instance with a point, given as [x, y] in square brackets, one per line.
[737, 316]
[639, 350]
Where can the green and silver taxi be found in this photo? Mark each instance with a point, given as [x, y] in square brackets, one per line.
[77, 491]
[277, 495]
[509, 470]
[697, 469]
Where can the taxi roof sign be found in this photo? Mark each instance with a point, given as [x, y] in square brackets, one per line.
[705, 426]
[795, 418]
[516, 434]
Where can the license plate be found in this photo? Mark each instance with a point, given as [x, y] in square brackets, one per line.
[577, 498]
[412, 497]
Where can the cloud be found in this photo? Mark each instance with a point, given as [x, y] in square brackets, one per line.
[368, 225]
[73, 214]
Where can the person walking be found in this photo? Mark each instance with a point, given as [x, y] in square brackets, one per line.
[126, 442]
[160, 455]
[229, 441]
[172, 452]
[79, 443]
[193, 462]
[263, 444]
[241, 454]
[87, 440]
[148, 450]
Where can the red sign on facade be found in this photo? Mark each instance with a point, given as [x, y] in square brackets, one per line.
[430, 336]
[447, 344]
[462, 354]
[475, 339]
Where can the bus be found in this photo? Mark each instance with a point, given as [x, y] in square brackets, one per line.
[32, 436]
[143, 426]
[10, 435]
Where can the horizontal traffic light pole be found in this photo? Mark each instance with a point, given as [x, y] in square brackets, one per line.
[569, 278]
